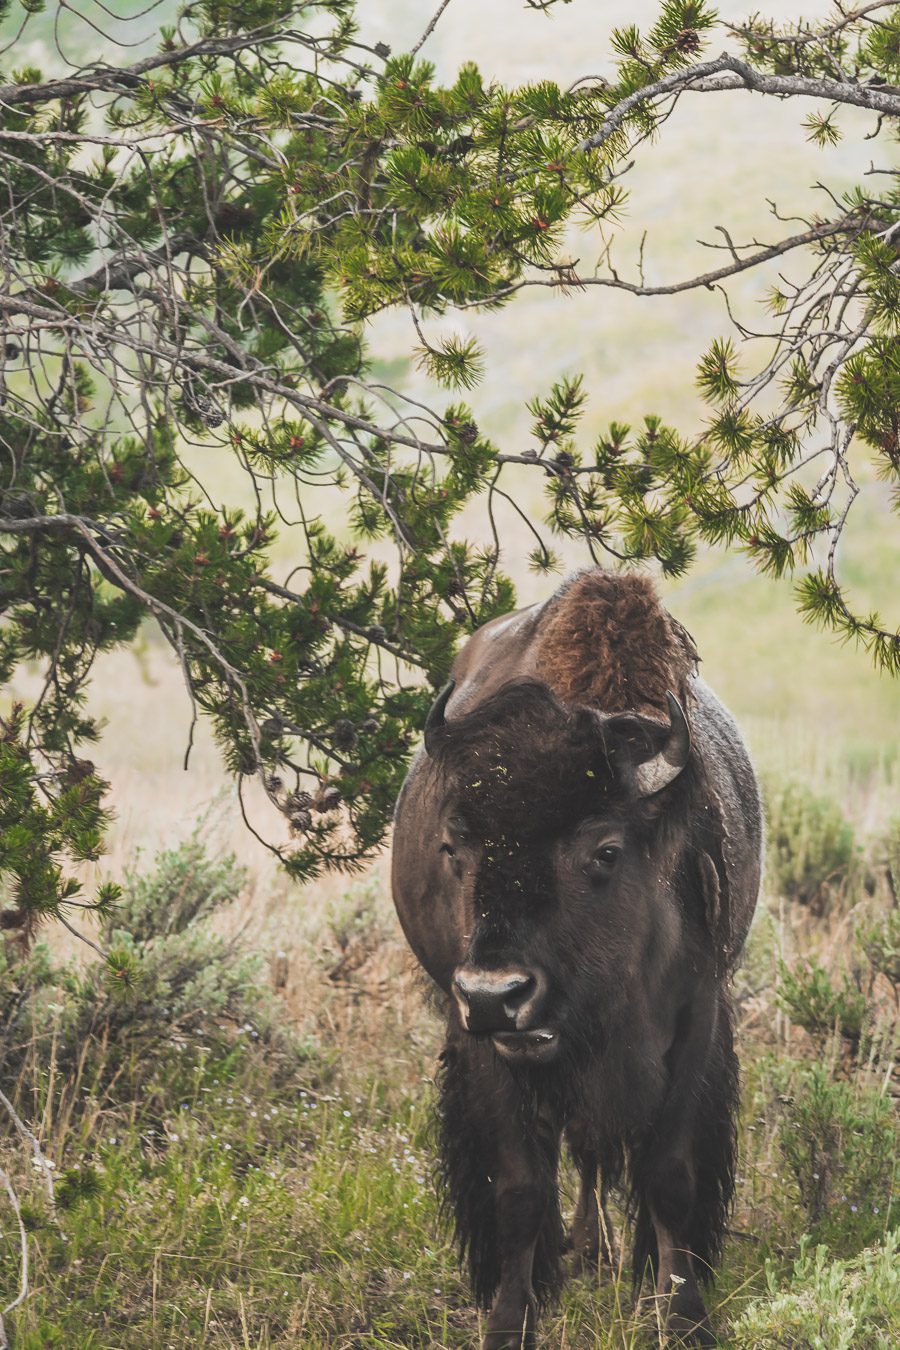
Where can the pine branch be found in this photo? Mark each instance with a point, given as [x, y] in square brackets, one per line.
[127, 79]
[569, 278]
[705, 77]
[818, 34]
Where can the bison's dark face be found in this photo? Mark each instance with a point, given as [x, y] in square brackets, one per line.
[548, 833]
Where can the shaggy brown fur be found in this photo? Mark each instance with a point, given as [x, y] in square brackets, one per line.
[608, 643]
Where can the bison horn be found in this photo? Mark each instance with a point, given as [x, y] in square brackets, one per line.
[436, 719]
[656, 773]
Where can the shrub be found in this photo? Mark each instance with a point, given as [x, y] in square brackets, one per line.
[879, 938]
[889, 856]
[839, 1141]
[355, 929]
[811, 1001]
[878, 933]
[190, 995]
[828, 1304]
[810, 846]
[184, 886]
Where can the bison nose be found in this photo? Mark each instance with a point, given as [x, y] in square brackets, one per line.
[496, 1000]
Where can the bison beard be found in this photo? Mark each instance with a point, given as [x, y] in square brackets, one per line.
[580, 881]
[493, 1212]
[490, 1210]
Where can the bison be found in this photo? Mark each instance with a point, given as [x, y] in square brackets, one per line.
[576, 860]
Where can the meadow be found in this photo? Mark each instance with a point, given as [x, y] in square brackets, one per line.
[242, 1142]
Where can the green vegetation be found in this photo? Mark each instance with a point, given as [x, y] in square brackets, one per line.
[828, 1304]
[811, 1001]
[238, 1165]
[810, 844]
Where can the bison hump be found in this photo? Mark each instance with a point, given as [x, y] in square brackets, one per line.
[605, 641]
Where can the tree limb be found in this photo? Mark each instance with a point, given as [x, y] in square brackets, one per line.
[128, 78]
[702, 77]
[569, 278]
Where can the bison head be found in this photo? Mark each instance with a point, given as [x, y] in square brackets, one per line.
[551, 840]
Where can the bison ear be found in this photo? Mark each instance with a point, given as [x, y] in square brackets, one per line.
[708, 875]
[710, 891]
[651, 755]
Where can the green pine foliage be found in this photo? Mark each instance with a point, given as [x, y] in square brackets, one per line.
[195, 240]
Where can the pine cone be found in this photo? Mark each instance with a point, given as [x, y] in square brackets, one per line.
[299, 801]
[328, 799]
[687, 41]
[344, 734]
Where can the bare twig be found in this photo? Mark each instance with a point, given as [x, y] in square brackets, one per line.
[127, 78]
[432, 23]
[40, 1162]
[23, 1264]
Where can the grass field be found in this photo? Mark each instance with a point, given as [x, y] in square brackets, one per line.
[242, 1145]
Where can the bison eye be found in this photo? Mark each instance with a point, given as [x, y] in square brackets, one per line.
[448, 849]
[603, 861]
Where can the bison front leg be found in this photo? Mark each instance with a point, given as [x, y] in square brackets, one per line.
[499, 1160]
[679, 1301]
[521, 1214]
[685, 1172]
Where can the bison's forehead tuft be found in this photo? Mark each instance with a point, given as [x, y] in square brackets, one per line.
[523, 765]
